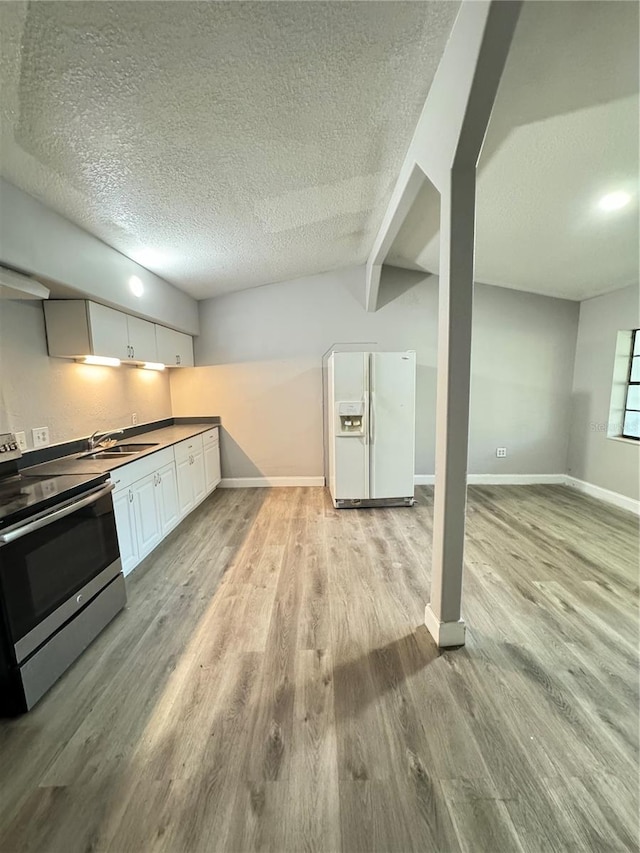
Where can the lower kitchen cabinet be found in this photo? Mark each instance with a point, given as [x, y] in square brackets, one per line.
[167, 494]
[152, 494]
[212, 475]
[126, 527]
[190, 474]
[147, 514]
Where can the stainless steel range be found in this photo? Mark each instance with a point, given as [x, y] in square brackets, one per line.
[61, 578]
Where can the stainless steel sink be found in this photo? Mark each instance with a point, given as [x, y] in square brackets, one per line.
[107, 454]
[117, 451]
[131, 448]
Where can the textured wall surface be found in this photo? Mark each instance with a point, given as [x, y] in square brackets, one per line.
[71, 399]
[261, 352]
[221, 145]
[36, 239]
[593, 457]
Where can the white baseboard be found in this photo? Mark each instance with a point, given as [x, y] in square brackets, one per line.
[424, 479]
[516, 479]
[615, 498]
[268, 482]
[621, 501]
[499, 479]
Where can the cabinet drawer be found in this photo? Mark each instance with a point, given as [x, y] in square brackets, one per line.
[128, 474]
[210, 436]
[187, 447]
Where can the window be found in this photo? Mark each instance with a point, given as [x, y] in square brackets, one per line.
[631, 422]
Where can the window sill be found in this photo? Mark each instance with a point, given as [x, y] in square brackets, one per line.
[633, 441]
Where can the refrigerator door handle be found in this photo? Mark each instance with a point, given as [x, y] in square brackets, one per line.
[371, 417]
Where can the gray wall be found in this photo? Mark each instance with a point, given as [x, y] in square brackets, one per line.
[40, 241]
[606, 462]
[263, 347]
[71, 399]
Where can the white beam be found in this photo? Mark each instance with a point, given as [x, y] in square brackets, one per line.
[455, 116]
[455, 302]
[404, 194]
[445, 148]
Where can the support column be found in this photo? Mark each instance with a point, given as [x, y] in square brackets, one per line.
[455, 300]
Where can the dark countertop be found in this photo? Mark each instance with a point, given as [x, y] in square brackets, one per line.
[162, 438]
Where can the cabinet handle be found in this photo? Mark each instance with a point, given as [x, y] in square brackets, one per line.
[133, 352]
[130, 496]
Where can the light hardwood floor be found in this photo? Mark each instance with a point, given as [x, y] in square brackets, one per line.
[271, 687]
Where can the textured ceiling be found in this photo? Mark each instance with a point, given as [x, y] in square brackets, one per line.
[221, 145]
[564, 131]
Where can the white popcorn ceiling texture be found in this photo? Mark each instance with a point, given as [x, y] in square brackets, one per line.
[222, 145]
[563, 132]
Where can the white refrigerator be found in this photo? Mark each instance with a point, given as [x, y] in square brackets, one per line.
[371, 412]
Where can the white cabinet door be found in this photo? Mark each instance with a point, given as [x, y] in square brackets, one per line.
[126, 528]
[185, 485]
[166, 341]
[167, 490]
[147, 515]
[211, 465]
[197, 476]
[175, 349]
[109, 332]
[142, 339]
[185, 350]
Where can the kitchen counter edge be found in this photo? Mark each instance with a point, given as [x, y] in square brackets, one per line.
[163, 437]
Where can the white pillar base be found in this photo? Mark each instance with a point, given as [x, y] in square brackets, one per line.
[446, 634]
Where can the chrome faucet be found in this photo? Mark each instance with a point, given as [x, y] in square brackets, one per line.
[104, 438]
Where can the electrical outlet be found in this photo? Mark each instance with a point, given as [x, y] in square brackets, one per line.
[22, 440]
[134, 419]
[501, 452]
[40, 436]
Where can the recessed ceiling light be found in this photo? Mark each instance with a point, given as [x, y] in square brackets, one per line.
[137, 287]
[614, 200]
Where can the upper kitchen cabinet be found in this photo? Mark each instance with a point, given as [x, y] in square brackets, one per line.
[120, 335]
[142, 339]
[78, 328]
[174, 348]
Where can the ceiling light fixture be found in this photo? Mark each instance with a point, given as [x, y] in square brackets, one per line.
[136, 286]
[152, 365]
[614, 200]
[101, 360]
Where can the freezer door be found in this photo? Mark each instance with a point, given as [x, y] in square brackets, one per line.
[392, 424]
[348, 448]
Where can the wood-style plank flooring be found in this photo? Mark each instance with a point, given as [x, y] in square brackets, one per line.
[271, 687]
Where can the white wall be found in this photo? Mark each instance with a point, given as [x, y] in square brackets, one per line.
[261, 353]
[73, 400]
[593, 457]
[38, 240]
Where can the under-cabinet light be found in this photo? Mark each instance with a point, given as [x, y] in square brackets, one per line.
[152, 365]
[100, 359]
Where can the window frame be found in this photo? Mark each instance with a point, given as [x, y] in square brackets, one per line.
[629, 383]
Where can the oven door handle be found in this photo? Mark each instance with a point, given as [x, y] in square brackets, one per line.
[18, 532]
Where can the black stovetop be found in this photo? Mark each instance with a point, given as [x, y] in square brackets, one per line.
[22, 496]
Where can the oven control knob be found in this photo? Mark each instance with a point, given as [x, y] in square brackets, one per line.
[79, 598]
